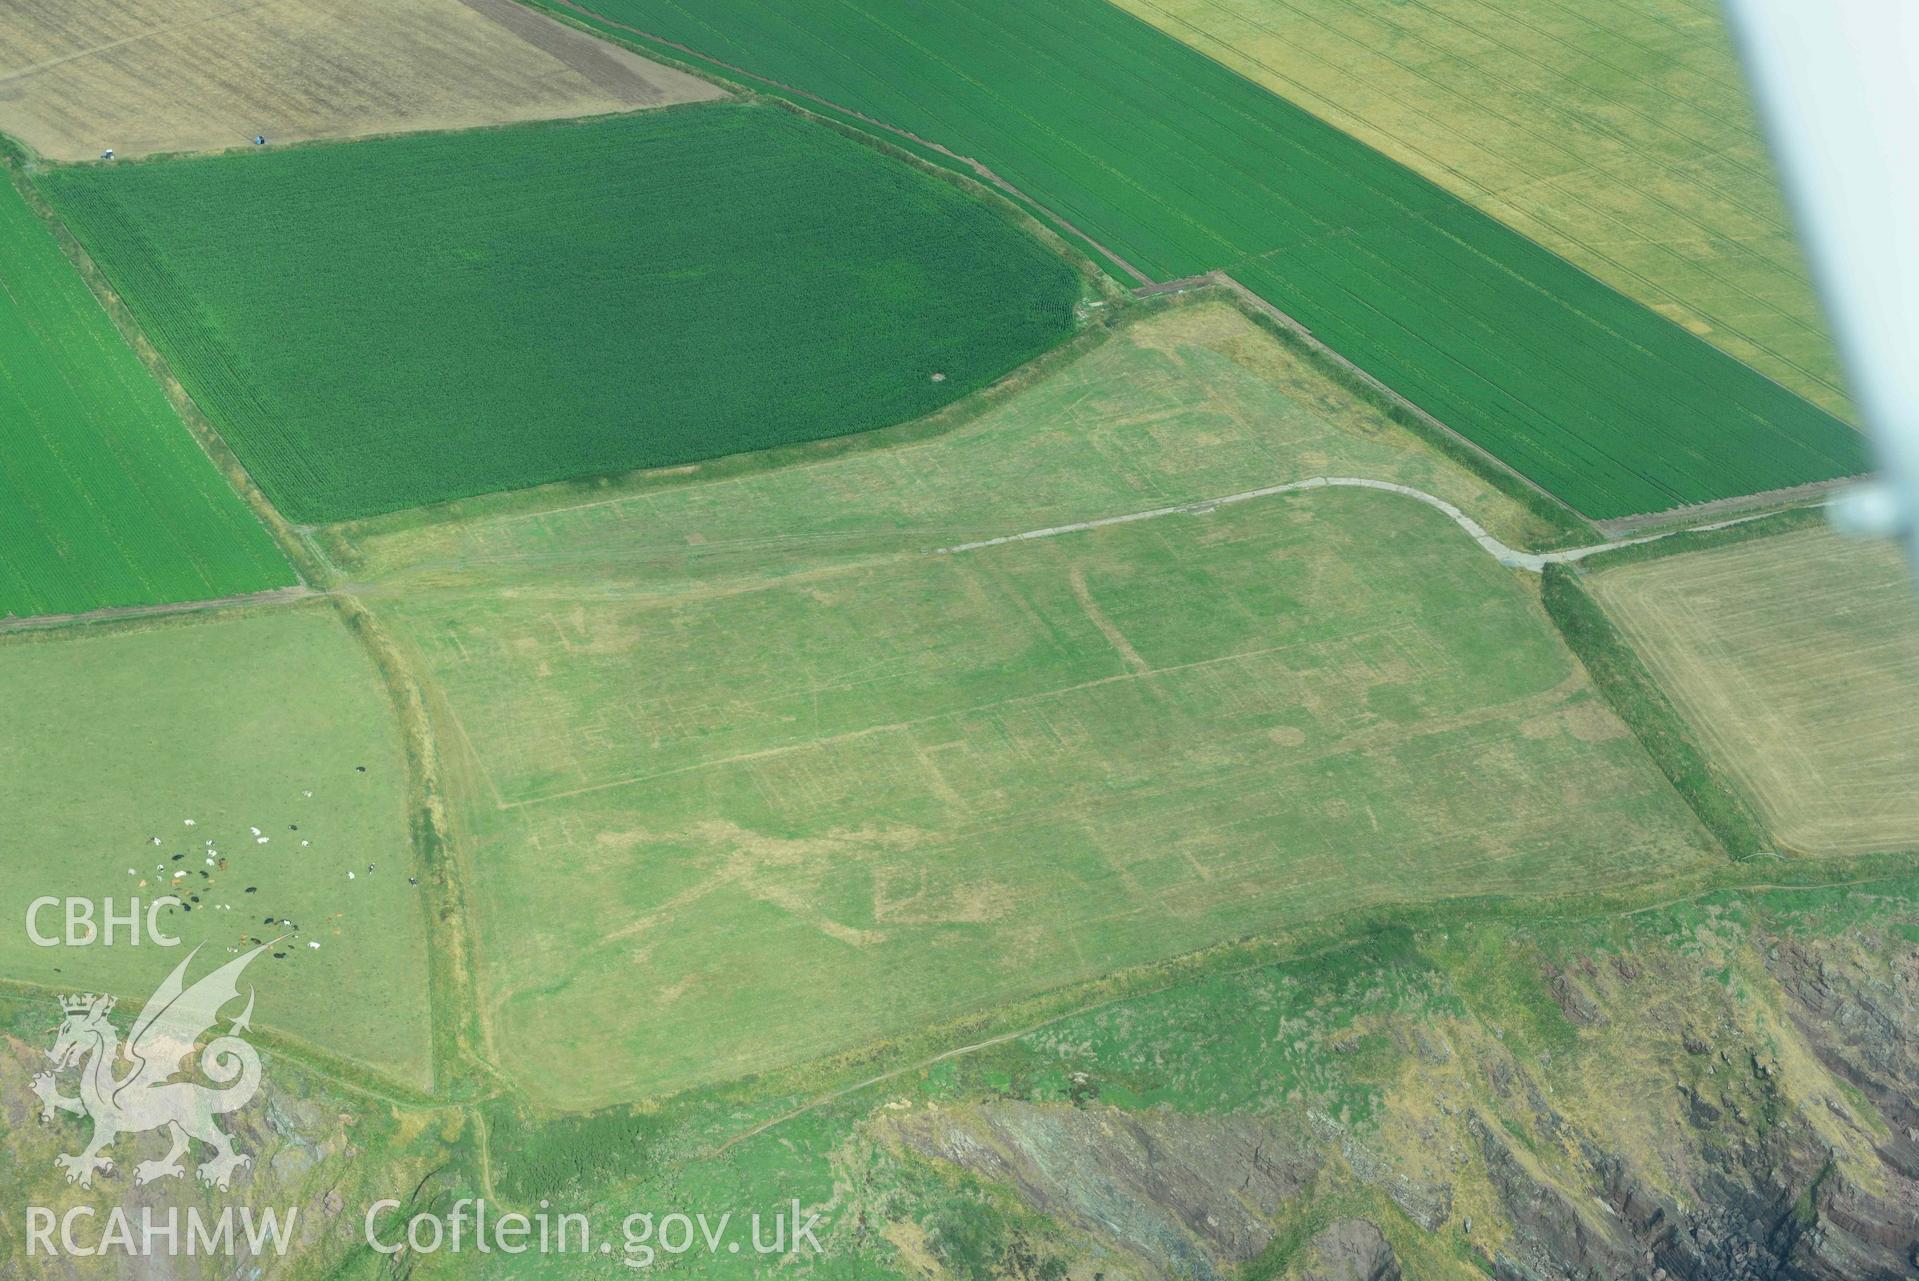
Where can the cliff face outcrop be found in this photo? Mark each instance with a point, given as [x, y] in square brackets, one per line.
[1783, 1147]
[1350, 1250]
[1742, 1110]
[1185, 1196]
[317, 1156]
[1865, 1028]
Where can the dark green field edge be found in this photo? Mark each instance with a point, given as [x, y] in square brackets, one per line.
[1178, 166]
[106, 500]
[1564, 527]
[684, 345]
[1624, 681]
[686, 59]
[1567, 529]
[336, 545]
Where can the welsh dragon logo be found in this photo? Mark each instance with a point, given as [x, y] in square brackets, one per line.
[145, 1097]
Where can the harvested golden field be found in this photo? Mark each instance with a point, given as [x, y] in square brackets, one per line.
[1616, 133]
[147, 76]
[1795, 659]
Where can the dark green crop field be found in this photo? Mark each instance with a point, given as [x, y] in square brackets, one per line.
[104, 498]
[1181, 166]
[384, 324]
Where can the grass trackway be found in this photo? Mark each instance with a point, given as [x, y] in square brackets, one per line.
[1513, 558]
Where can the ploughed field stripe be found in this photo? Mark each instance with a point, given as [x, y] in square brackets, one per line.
[1182, 167]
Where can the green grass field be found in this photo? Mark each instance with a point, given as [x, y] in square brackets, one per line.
[1182, 402]
[105, 499]
[384, 324]
[110, 738]
[1617, 133]
[761, 707]
[1182, 166]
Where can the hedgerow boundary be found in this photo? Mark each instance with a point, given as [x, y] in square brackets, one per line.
[1629, 687]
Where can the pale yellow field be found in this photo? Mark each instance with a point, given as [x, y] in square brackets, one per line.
[1617, 133]
[1797, 660]
[147, 76]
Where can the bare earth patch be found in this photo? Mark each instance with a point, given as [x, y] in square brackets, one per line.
[148, 76]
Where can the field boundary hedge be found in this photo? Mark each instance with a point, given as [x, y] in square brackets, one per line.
[1178, 166]
[1626, 683]
[900, 142]
[1570, 529]
[334, 543]
[901, 291]
[21, 165]
[1681, 542]
[122, 502]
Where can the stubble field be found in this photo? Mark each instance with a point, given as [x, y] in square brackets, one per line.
[1617, 133]
[1795, 659]
[146, 76]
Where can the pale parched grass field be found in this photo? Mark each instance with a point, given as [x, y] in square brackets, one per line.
[146, 76]
[1617, 133]
[746, 773]
[1795, 658]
